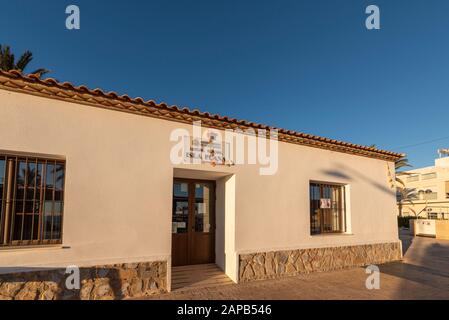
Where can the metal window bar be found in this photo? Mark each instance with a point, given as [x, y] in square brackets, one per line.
[41, 201]
[18, 217]
[25, 187]
[53, 200]
[36, 171]
[44, 194]
[2, 197]
[327, 220]
[13, 183]
[61, 213]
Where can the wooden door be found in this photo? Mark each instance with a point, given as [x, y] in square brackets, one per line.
[193, 222]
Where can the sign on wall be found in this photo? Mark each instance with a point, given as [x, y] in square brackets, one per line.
[325, 203]
[208, 151]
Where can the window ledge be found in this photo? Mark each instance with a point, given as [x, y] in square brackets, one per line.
[331, 234]
[34, 248]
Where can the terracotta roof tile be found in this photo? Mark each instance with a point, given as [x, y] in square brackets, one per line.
[51, 88]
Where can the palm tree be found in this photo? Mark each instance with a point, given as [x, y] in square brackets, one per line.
[404, 195]
[8, 62]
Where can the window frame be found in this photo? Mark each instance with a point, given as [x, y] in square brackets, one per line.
[342, 208]
[9, 200]
[429, 176]
[413, 177]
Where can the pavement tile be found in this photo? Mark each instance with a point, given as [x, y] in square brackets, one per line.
[423, 274]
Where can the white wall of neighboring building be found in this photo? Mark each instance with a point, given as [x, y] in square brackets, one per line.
[432, 193]
[118, 193]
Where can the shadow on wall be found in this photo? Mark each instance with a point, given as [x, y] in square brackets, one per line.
[131, 280]
[337, 174]
[348, 173]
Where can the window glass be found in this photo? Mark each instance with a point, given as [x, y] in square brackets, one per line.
[2, 171]
[202, 207]
[21, 174]
[31, 174]
[59, 172]
[181, 189]
[47, 226]
[56, 234]
[50, 175]
[180, 219]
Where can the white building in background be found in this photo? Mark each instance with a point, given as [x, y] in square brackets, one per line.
[430, 189]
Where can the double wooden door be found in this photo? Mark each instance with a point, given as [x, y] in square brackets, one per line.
[193, 222]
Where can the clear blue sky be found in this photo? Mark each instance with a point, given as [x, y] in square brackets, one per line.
[309, 65]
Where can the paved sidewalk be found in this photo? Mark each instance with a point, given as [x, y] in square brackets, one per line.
[423, 274]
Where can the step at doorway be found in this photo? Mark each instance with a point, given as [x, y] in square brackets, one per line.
[198, 276]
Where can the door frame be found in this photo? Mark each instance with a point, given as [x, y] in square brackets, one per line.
[191, 218]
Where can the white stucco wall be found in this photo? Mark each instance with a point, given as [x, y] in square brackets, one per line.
[119, 187]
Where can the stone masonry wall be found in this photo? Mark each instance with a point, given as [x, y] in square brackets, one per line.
[119, 281]
[267, 265]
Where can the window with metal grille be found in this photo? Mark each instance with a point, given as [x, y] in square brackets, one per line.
[32, 200]
[327, 208]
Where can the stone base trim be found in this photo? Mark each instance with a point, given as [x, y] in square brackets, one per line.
[119, 281]
[269, 265]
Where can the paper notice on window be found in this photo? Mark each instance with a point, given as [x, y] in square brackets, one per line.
[325, 203]
[201, 208]
[182, 225]
[184, 187]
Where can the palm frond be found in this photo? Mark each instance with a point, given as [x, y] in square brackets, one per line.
[24, 60]
[7, 61]
[40, 72]
[401, 163]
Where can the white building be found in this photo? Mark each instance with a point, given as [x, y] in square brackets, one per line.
[429, 190]
[88, 179]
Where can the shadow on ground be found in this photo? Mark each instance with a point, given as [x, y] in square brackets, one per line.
[426, 261]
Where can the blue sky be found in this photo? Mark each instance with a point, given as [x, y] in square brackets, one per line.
[309, 66]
